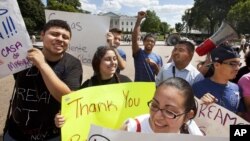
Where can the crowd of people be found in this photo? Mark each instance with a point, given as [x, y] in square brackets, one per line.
[34, 112]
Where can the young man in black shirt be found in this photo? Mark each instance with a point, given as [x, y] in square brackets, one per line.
[38, 90]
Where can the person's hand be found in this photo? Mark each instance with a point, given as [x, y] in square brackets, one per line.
[141, 15]
[110, 39]
[208, 99]
[59, 120]
[203, 67]
[36, 57]
[150, 62]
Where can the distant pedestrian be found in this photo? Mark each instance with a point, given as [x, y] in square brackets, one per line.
[243, 43]
[33, 39]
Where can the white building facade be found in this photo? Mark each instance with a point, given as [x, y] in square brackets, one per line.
[123, 22]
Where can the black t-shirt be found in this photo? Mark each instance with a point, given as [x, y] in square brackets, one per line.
[34, 108]
[95, 81]
[241, 72]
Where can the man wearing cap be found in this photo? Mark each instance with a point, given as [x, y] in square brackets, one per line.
[218, 88]
[180, 66]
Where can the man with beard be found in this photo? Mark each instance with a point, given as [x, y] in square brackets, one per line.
[147, 63]
[180, 66]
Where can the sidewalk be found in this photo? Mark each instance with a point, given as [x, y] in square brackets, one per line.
[38, 44]
[123, 43]
[158, 43]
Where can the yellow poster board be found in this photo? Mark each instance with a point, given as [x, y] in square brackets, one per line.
[107, 106]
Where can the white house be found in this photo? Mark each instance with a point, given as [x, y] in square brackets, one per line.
[123, 22]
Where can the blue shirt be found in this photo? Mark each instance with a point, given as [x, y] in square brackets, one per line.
[123, 55]
[228, 95]
[143, 71]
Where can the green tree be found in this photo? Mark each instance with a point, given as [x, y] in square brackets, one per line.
[239, 16]
[62, 5]
[75, 3]
[179, 27]
[211, 11]
[33, 14]
[164, 28]
[66, 5]
[152, 23]
[187, 19]
[171, 30]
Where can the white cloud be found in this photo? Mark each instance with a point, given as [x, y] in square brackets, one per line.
[110, 5]
[85, 5]
[171, 8]
[116, 5]
[170, 13]
[139, 3]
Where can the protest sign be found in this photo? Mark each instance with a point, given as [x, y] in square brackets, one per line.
[214, 120]
[15, 40]
[88, 32]
[103, 134]
[107, 105]
[110, 105]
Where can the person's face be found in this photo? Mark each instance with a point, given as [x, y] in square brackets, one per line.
[108, 64]
[180, 54]
[149, 43]
[56, 40]
[228, 68]
[171, 100]
[117, 39]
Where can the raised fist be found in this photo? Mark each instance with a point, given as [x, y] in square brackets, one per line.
[141, 15]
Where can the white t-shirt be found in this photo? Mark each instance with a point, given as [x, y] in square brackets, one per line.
[142, 122]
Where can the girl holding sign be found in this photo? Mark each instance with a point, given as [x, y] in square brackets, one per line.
[104, 64]
[170, 111]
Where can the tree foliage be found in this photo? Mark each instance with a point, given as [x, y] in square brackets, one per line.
[33, 14]
[179, 27]
[164, 28]
[33, 11]
[152, 23]
[239, 15]
[210, 12]
[65, 5]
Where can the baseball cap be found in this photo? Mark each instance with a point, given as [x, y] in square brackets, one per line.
[223, 52]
